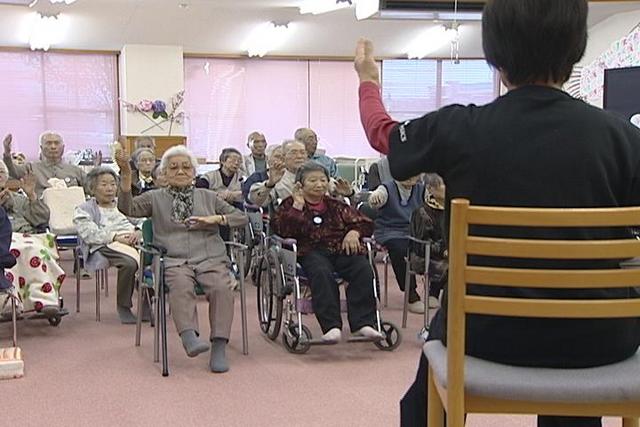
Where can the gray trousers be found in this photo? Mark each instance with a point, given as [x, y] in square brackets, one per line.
[217, 283]
[127, 268]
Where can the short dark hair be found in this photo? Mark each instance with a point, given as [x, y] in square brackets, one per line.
[309, 167]
[534, 40]
[226, 152]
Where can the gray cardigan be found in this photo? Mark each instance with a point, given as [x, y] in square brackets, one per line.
[183, 245]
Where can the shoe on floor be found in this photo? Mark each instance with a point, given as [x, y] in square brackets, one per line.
[416, 307]
[433, 302]
[333, 336]
[84, 274]
[369, 332]
[126, 316]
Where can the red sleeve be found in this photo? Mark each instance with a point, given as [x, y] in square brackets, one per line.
[376, 122]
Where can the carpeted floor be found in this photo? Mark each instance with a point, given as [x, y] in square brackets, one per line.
[88, 373]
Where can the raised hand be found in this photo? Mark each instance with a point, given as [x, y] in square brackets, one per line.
[6, 143]
[343, 187]
[364, 62]
[275, 172]
[5, 195]
[28, 182]
[298, 197]
[98, 159]
[122, 160]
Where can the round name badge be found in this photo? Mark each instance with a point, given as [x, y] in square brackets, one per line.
[317, 220]
[67, 179]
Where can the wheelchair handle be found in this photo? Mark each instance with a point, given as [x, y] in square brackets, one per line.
[252, 207]
[422, 242]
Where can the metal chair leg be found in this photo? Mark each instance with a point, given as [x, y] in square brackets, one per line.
[106, 283]
[243, 304]
[14, 320]
[407, 292]
[163, 322]
[140, 298]
[76, 264]
[97, 273]
[386, 280]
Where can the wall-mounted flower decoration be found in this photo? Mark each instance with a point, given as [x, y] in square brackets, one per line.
[154, 110]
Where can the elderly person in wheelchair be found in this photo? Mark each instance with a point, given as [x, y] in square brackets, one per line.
[186, 223]
[328, 233]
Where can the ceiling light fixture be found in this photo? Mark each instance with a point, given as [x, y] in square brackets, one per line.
[430, 40]
[267, 37]
[366, 8]
[46, 30]
[34, 2]
[317, 7]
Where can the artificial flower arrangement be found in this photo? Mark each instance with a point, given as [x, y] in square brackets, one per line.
[154, 110]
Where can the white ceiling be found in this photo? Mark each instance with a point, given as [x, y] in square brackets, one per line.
[221, 26]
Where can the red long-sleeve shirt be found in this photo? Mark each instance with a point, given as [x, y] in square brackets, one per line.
[376, 122]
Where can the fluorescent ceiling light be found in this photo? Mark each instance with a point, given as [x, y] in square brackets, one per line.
[366, 8]
[46, 30]
[34, 2]
[429, 41]
[317, 7]
[267, 37]
[427, 15]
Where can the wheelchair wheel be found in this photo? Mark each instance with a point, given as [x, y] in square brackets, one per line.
[293, 342]
[392, 337]
[269, 302]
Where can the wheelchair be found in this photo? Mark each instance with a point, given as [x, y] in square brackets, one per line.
[282, 299]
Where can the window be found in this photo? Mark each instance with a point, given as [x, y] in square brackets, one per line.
[333, 109]
[226, 99]
[412, 88]
[73, 94]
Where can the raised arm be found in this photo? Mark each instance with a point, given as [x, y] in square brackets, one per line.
[376, 122]
[13, 170]
[138, 207]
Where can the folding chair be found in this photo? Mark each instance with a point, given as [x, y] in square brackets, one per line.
[426, 283]
[157, 300]
[460, 384]
[62, 203]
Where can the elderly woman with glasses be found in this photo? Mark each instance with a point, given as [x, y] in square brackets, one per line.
[186, 221]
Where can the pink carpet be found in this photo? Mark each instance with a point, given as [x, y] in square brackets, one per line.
[85, 372]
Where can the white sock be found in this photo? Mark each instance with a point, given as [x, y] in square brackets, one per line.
[369, 332]
[332, 335]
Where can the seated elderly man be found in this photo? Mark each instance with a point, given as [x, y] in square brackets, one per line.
[226, 180]
[36, 275]
[257, 160]
[141, 143]
[186, 221]
[273, 173]
[328, 234]
[107, 236]
[310, 140]
[50, 166]
[280, 183]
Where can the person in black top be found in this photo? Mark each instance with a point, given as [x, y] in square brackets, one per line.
[536, 146]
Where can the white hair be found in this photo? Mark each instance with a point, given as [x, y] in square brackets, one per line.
[288, 143]
[178, 150]
[47, 133]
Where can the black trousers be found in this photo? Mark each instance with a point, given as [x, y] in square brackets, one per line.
[413, 406]
[397, 249]
[319, 266]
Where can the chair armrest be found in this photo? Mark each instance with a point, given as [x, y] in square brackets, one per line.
[237, 245]
[151, 249]
[292, 243]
